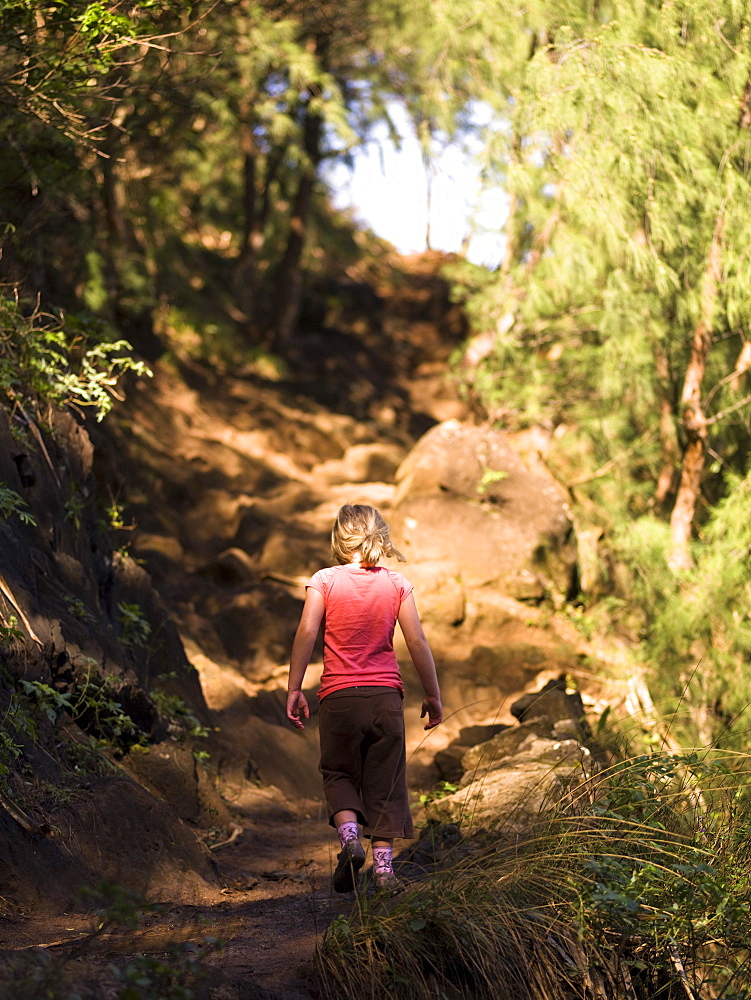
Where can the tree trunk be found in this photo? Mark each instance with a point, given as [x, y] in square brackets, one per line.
[244, 277]
[511, 243]
[668, 433]
[250, 213]
[118, 234]
[124, 251]
[273, 161]
[290, 281]
[693, 418]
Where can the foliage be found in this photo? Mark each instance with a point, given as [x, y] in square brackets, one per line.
[74, 507]
[18, 726]
[617, 318]
[65, 50]
[78, 609]
[92, 704]
[172, 706]
[615, 189]
[135, 627]
[489, 478]
[172, 153]
[646, 890]
[440, 791]
[10, 751]
[697, 629]
[147, 977]
[58, 361]
[9, 632]
[11, 503]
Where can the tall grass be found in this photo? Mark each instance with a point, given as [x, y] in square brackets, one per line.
[644, 891]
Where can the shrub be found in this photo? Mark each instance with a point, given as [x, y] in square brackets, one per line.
[645, 892]
[63, 360]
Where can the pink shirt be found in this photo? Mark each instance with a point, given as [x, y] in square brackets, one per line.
[361, 607]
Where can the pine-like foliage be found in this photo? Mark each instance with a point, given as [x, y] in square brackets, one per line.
[621, 309]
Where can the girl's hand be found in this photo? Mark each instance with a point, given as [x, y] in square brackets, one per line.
[434, 710]
[297, 708]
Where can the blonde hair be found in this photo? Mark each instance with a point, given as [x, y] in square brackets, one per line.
[359, 528]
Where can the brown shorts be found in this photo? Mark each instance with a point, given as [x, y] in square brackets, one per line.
[363, 759]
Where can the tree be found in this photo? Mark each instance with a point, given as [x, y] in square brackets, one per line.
[62, 70]
[625, 277]
[54, 59]
[619, 318]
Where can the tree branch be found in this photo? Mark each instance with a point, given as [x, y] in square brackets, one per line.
[605, 469]
[731, 409]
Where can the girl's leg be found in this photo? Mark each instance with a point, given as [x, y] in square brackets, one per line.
[383, 855]
[345, 822]
[352, 856]
[384, 780]
[341, 758]
[383, 868]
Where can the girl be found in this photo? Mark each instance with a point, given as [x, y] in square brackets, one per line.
[363, 760]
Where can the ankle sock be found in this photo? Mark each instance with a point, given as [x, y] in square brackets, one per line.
[347, 832]
[383, 860]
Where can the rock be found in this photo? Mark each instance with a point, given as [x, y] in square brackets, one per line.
[146, 544]
[435, 842]
[292, 551]
[562, 711]
[466, 500]
[513, 798]
[256, 626]
[439, 592]
[515, 664]
[517, 772]
[362, 463]
[449, 760]
[513, 748]
[231, 568]
[216, 515]
[472, 735]
[476, 463]
[161, 555]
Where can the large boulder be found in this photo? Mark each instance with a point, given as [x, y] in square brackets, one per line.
[511, 799]
[515, 777]
[511, 776]
[466, 500]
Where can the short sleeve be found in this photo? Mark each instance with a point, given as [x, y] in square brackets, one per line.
[316, 582]
[403, 585]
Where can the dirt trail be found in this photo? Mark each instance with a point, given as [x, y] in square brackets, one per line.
[273, 904]
[234, 480]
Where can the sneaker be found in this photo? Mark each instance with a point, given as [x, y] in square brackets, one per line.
[388, 884]
[350, 860]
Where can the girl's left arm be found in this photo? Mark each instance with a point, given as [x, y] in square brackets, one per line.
[302, 650]
[422, 658]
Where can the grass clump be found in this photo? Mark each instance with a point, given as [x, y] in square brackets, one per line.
[644, 892]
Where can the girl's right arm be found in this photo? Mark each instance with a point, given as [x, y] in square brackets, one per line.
[302, 650]
[422, 657]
